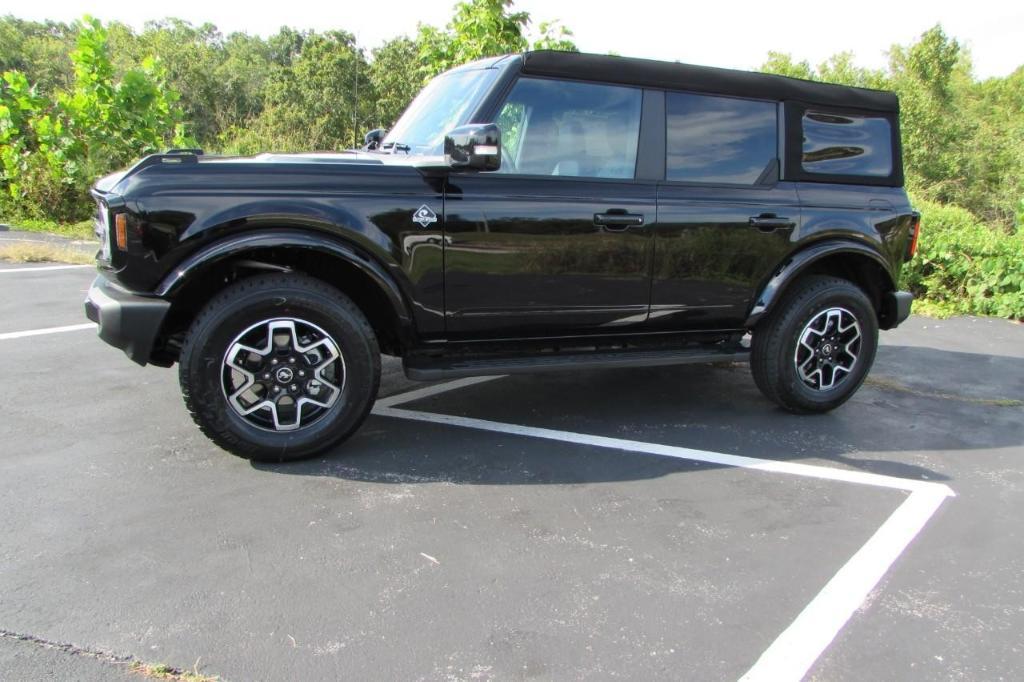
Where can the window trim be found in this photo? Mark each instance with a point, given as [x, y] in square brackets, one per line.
[779, 147]
[795, 112]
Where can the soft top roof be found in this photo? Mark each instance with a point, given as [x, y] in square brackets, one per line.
[673, 75]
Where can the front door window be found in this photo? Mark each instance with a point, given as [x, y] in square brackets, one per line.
[568, 128]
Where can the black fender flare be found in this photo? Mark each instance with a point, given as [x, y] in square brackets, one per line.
[236, 245]
[798, 263]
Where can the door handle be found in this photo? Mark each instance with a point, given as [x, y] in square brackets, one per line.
[769, 222]
[617, 219]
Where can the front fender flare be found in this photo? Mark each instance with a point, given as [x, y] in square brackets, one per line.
[798, 264]
[236, 245]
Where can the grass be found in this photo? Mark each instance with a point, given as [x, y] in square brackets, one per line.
[80, 230]
[33, 252]
[162, 671]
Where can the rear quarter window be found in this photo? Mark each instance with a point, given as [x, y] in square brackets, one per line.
[846, 144]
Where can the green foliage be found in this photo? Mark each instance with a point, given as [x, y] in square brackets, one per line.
[41, 50]
[389, 76]
[965, 266]
[480, 28]
[52, 148]
[554, 36]
[932, 124]
[82, 230]
[484, 28]
[319, 102]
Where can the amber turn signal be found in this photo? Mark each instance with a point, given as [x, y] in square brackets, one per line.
[121, 231]
[915, 232]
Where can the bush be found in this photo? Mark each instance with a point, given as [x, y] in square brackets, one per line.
[53, 147]
[965, 266]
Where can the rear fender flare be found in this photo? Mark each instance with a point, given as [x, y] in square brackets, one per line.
[799, 262]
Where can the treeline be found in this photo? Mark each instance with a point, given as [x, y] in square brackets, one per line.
[79, 100]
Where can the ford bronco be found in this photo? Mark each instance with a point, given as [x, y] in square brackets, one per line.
[541, 211]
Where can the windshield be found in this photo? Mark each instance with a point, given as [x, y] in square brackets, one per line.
[446, 103]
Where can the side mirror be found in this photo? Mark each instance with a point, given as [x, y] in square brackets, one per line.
[373, 138]
[473, 147]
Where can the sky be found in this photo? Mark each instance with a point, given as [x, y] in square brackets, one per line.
[727, 33]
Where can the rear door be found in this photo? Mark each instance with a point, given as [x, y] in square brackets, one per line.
[559, 240]
[724, 219]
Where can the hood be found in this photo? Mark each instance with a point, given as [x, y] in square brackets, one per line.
[353, 156]
[105, 184]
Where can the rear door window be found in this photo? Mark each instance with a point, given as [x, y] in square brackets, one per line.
[722, 140]
[844, 144]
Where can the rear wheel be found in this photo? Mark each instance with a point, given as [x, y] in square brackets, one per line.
[816, 348]
[279, 367]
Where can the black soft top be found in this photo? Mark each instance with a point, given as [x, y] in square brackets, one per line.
[676, 76]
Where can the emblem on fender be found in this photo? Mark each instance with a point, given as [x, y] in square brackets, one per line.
[424, 216]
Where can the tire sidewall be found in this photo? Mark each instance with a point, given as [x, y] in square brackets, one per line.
[203, 368]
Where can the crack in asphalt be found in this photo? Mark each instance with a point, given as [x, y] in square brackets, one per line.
[67, 648]
[129, 663]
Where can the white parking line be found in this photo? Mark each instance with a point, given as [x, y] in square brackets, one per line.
[793, 652]
[6, 336]
[44, 268]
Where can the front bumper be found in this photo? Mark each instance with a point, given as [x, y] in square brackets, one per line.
[126, 320]
[895, 308]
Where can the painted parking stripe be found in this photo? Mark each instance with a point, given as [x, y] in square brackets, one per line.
[792, 654]
[44, 268]
[429, 391]
[720, 458]
[48, 330]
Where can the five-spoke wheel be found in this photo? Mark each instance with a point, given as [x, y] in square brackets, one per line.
[827, 350]
[282, 374]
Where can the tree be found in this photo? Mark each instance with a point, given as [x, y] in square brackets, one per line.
[554, 36]
[392, 64]
[933, 125]
[318, 102]
[190, 56]
[484, 28]
[52, 148]
[480, 28]
[40, 50]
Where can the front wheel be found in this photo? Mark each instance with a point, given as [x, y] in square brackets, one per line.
[279, 367]
[815, 350]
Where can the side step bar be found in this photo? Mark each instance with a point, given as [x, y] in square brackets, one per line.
[421, 369]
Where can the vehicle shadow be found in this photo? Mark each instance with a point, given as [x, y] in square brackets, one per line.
[917, 400]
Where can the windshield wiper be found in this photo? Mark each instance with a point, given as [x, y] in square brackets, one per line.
[397, 147]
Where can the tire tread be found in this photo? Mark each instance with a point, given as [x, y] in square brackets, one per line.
[209, 420]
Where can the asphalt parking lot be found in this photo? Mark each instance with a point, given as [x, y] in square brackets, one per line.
[638, 524]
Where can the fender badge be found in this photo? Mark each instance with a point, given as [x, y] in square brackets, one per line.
[424, 216]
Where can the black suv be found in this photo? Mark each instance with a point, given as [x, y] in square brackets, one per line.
[543, 211]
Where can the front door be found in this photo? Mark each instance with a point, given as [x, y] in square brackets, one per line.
[560, 239]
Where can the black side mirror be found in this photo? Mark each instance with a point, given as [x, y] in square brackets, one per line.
[373, 138]
[474, 147]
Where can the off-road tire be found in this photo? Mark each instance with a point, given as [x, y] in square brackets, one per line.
[272, 296]
[776, 337]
